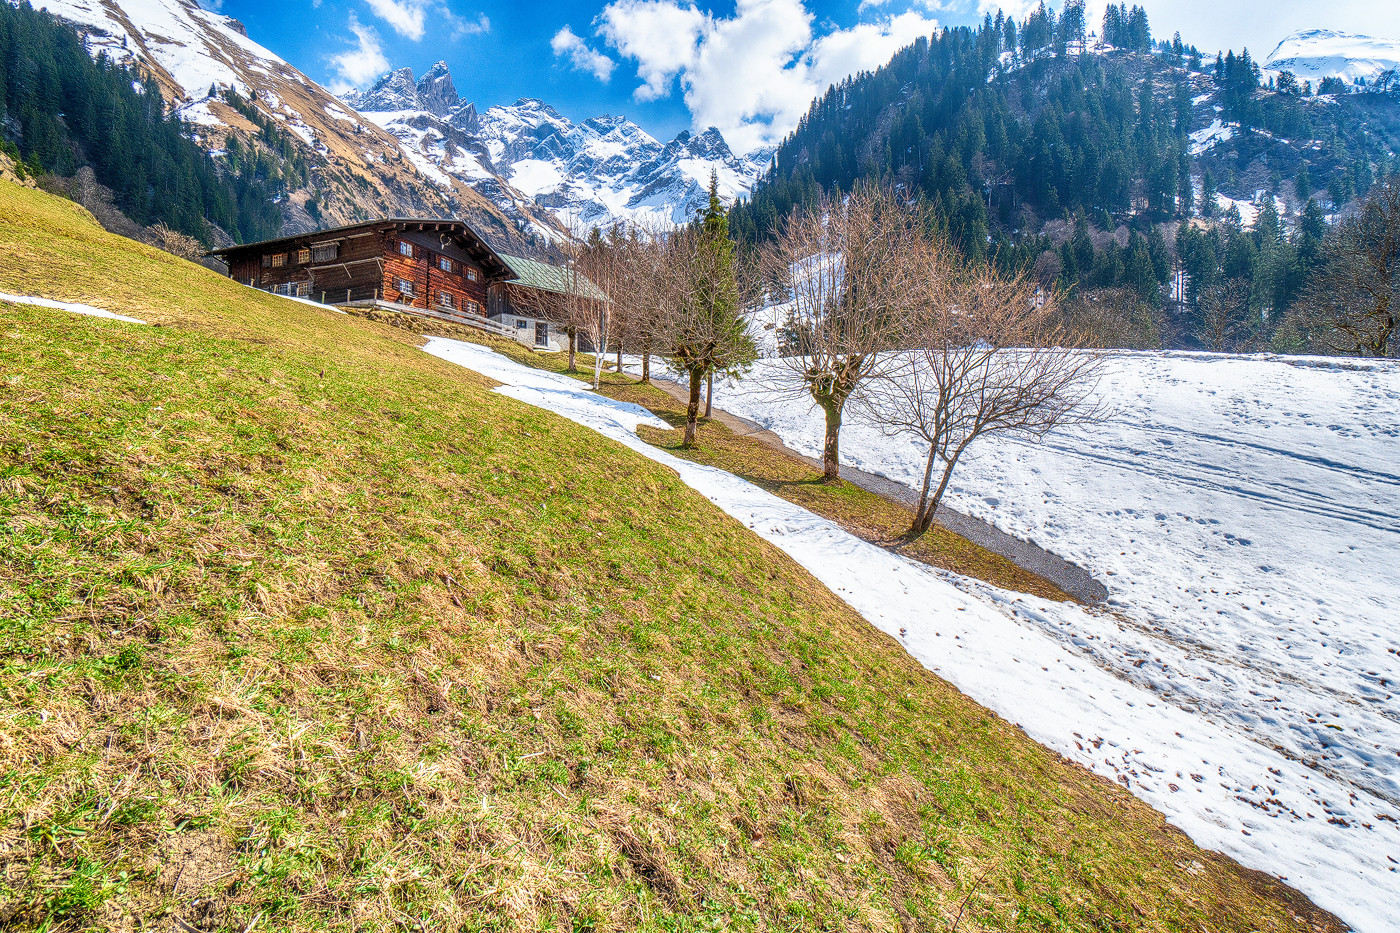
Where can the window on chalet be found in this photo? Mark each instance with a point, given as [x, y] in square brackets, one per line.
[471, 275]
[303, 289]
[406, 248]
[446, 300]
[275, 260]
[404, 286]
[325, 252]
[303, 256]
[521, 323]
[444, 264]
[472, 306]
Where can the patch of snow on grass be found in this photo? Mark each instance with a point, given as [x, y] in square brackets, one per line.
[89, 310]
[199, 114]
[1205, 139]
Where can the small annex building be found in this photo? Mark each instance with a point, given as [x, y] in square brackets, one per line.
[432, 267]
[512, 304]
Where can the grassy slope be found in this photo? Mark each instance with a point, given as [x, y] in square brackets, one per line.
[301, 626]
[859, 511]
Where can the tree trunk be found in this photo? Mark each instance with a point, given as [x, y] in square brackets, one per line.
[646, 362]
[692, 412]
[597, 369]
[573, 349]
[924, 516]
[831, 452]
[619, 357]
[709, 393]
[937, 496]
[1379, 347]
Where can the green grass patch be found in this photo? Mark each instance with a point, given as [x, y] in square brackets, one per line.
[304, 629]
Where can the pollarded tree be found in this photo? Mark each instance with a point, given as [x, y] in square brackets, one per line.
[988, 362]
[849, 271]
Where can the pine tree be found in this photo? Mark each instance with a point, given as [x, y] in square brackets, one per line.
[711, 335]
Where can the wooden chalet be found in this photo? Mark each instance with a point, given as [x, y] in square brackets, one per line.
[436, 268]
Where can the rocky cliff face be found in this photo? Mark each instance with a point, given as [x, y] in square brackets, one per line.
[595, 172]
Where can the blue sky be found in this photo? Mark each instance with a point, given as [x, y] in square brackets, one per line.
[747, 66]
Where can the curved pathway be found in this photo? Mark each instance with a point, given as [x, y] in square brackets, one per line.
[1073, 579]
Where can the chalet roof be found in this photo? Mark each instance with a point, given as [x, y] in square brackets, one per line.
[425, 224]
[532, 273]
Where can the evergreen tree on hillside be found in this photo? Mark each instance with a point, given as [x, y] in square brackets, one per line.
[708, 333]
[1007, 158]
[64, 109]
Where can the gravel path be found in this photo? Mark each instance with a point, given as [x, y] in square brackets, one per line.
[1073, 579]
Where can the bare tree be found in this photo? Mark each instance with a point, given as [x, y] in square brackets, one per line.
[569, 296]
[988, 362]
[629, 274]
[1350, 306]
[1112, 318]
[846, 270]
[174, 242]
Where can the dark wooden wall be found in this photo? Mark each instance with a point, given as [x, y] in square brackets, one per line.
[368, 264]
[428, 280]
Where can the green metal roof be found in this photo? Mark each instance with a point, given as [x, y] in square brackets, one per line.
[535, 274]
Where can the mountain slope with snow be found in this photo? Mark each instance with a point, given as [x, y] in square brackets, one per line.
[354, 170]
[603, 169]
[1315, 54]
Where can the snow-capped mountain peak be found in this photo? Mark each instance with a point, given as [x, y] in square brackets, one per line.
[436, 92]
[394, 91]
[597, 171]
[1314, 54]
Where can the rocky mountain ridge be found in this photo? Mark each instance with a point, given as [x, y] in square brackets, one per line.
[250, 107]
[603, 169]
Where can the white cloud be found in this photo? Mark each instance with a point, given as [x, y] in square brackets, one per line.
[567, 45]
[405, 16]
[360, 65]
[1019, 10]
[752, 74]
[464, 27]
[661, 35]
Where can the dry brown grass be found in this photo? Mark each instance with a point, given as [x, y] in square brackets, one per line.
[303, 629]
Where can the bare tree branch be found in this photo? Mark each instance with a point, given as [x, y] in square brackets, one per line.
[987, 362]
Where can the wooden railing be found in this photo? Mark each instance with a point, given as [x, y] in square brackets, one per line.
[369, 297]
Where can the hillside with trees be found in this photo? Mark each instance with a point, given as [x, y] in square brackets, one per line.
[1112, 165]
[62, 111]
[306, 629]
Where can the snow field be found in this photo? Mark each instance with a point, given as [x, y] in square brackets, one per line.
[1037, 664]
[1240, 510]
